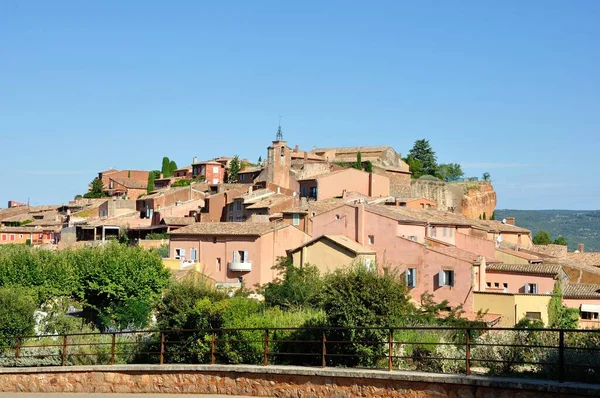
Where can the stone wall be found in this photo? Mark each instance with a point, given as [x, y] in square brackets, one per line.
[435, 190]
[277, 381]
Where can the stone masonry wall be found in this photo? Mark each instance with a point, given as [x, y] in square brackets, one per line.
[277, 381]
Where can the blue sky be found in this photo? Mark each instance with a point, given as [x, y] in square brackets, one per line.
[510, 87]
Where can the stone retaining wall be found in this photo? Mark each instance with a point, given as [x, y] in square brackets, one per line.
[277, 381]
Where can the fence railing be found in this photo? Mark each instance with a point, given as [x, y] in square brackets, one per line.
[564, 355]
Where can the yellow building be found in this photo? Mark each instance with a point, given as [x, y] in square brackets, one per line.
[329, 252]
[513, 307]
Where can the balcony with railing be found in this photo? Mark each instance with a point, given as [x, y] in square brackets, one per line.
[240, 266]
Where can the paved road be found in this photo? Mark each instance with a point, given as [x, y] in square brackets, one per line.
[109, 395]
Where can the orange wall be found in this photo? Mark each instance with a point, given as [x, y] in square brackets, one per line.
[473, 244]
[516, 282]
[333, 185]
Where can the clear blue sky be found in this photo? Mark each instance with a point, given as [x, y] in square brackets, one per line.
[507, 87]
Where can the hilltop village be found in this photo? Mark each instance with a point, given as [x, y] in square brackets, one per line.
[231, 221]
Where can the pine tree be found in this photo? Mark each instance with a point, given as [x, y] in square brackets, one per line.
[172, 168]
[484, 217]
[259, 160]
[423, 152]
[96, 189]
[166, 165]
[358, 164]
[368, 166]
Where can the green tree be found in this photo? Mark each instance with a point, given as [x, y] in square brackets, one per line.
[493, 217]
[450, 172]
[259, 160]
[415, 166]
[166, 167]
[357, 297]
[150, 186]
[486, 176]
[560, 241]
[423, 152]
[542, 238]
[559, 316]
[172, 168]
[484, 216]
[17, 306]
[297, 287]
[234, 169]
[368, 166]
[358, 164]
[129, 174]
[96, 189]
[181, 183]
[113, 275]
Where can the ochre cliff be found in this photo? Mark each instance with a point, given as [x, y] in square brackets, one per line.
[478, 199]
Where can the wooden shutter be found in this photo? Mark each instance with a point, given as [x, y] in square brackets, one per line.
[246, 259]
[441, 279]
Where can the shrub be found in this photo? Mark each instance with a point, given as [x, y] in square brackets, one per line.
[297, 287]
[17, 306]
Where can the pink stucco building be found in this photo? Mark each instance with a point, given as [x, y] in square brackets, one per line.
[235, 252]
[335, 183]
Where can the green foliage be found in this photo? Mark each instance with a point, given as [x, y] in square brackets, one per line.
[78, 196]
[560, 241]
[128, 173]
[172, 168]
[234, 169]
[150, 186]
[415, 166]
[424, 154]
[542, 238]
[17, 306]
[493, 217]
[358, 164]
[559, 316]
[28, 242]
[162, 251]
[297, 287]
[96, 190]
[526, 323]
[368, 166]
[113, 274]
[486, 176]
[166, 167]
[450, 172]
[259, 160]
[181, 183]
[484, 217]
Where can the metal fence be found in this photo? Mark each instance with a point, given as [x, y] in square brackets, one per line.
[564, 355]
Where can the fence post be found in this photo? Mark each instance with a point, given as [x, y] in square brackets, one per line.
[162, 347]
[561, 355]
[390, 348]
[468, 351]
[324, 350]
[18, 349]
[64, 351]
[266, 347]
[112, 348]
[212, 349]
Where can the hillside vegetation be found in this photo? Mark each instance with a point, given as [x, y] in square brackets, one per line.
[577, 226]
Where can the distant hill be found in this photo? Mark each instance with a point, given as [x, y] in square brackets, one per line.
[577, 226]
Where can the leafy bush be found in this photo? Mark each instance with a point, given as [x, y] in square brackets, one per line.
[297, 287]
[17, 306]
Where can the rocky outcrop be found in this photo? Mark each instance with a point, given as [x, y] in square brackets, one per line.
[472, 199]
[479, 199]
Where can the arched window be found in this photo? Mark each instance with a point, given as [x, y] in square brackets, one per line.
[282, 151]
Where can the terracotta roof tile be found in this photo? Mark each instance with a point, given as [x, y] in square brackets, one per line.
[521, 254]
[361, 149]
[230, 228]
[130, 183]
[458, 253]
[588, 258]
[317, 207]
[581, 291]
[179, 220]
[531, 269]
[271, 200]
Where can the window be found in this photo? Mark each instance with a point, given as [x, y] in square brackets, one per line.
[505, 285]
[313, 192]
[242, 177]
[371, 239]
[216, 170]
[496, 285]
[12, 237]
[20, 236]
[179, 254]
[193, 255]
[446, 278]
[445, 232]
[215, 180]
[295, 219]
[413, 238]
[337, 216]
[533, 315]
[3, 236]
[411, 277]
[238, 205]
[240, 256]
[422, 206]
[302, 191]
[368, 263]
[531, 288]
[434, 232]
[451, 231]
[219, 263]
[589, 315]
[214, 239]
[282, 151]
[41, 236]
[489, 284]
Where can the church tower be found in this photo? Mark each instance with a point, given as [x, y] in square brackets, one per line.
[279, 161]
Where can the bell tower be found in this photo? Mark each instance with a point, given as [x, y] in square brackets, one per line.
[279, 161]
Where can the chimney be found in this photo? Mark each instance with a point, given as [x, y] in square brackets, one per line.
[296, 148]
[305, 156]
[250, 189]
[371, 184]
[194, 160]
[396, 202]
[360, 223]
[510, 220]
[161, 175]
[580, 247]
